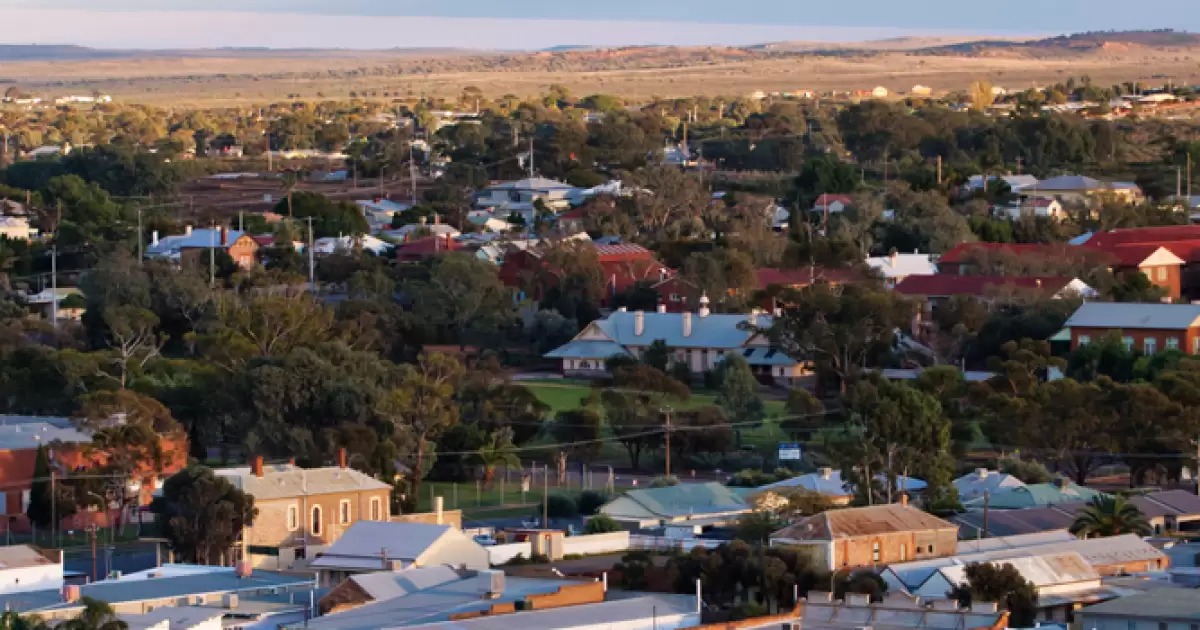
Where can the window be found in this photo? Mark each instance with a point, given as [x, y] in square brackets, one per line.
[1162, 274]
[1196, 345]
[293, 521]
[316, 521]
[1128, 342]
[1172, 343]
[875, 552]
[674, 297]
[903, 552]
[344, 512]
[1151, 345]
[1085, 340]
[930, 548]
[376, 509]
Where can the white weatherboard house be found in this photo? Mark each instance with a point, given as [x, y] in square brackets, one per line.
[698, 339]
[370, 546]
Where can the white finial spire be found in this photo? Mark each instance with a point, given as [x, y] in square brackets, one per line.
[703, 312]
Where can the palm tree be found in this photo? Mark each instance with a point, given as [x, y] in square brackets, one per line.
[96, 615]
[14, 621]
[500, 451]
[288, 181]
[1110, 516]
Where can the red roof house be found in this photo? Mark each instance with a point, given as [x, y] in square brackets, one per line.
[426, 247]
[622, 267]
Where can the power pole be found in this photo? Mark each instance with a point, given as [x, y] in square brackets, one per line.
[530, 157]
[939, 170]
[1189, 177]
[92, 532]
[667, 425]
[412, 171]
[212, 257]
[270, 162]
[139, 237]
[546, 496]
[312, 274]
[54, 286]
[987, 504]
[53, 509]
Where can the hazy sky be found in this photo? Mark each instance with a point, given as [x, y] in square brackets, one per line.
[539, 23]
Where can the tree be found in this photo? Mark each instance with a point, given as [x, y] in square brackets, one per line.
[1003, 584]
[465, 293]
[43, 507]
[580, 430]
[981, 95]
[10, 620]
[739, 391]
[632, 570]
[96, 615]
[601, 524]
[841, 328]
[657, 355]
[1107, 516]
[422, 406]
[498, 452]
[757, 527]
[202, 515]
[330, 218]
[134, 339]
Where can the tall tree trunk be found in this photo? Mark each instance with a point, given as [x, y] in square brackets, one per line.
[416, 473]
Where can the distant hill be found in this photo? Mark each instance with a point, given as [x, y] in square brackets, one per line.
[1165, 38]
[54, 52]
[38, 52]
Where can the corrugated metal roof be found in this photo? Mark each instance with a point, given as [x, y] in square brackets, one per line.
[1161, 604]
[829, 482]
[633, 612]
[983, 480]
[718, 331]
[587, 349]
[688, 499]
[863, 521]
[285, 481]
[363, 545]
[1023, 541]
[1036, 495]
[943, 285]
[1132, 316]
[1055, 569]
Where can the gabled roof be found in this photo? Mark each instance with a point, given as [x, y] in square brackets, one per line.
[830, 483]
[1134, 316]
[1156, 605]
[287, 481]
[944, 285]
[588, 349]
[1080, 182]
[716, 331]
[828, 200]
[983, 480]
[199, 238]
[900, 265]
[1037, 495]
[688, 499]
[623, 251]
[1049, 570]
[864, 521]
[1136, 255]
[533, 183]
[1159, 235]
[363, 545]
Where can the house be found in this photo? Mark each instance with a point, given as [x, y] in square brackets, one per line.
[937, 289]
[1037, 207]
[252, 600]
[870, 536]
[49, 303]
[369, 546]
[1116, 555]
[698, 339]
[895, 266]
[921, 90]
[176, 618]
[70, 449]
[409, 232]
[520, 196]
[303, 511]
[367, 243]
[368, 601]
[1161, 265]
[982, 480]
[1137, 250]
[191, 247]
[1166, 511]
[426, 247]
[622, 266]
[831, 204]
[828, 482]
[49, 151]
[974, 258]
[1016, 183]
[1077, 189]
[653, 507]
[16, 228]
[1159, 609]
[1059, 491]
[1145, 327]
[24, 568]
[820, 611]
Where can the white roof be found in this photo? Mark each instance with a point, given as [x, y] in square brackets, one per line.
[903, 265]
[1135, 315]
[1056, 569]
[829, 482]
[364, 544]
[330, 244]
[286, 481]
[982, 480]
[438, 229]
[1015, 182]
[998, 543]
[382, 205]
[533, 183]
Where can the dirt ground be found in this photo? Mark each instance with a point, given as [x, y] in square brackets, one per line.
[218, 81]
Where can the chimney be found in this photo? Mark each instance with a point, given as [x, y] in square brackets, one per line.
[894, 256]
[437, 219]
[341, 458]
[258, 466]
[1039, 283]
[187, 230]
[778, 312]
[982, 473]
[224, 237]
[622, 310]
[71, 593]
[243, 569]
[154, 237]
[703, 312]
[662, 308]
[904, 499]
[826, 473]
[438, 503]
[687, 324]
[639, 323]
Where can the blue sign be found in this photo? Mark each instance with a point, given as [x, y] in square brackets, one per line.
[789, 451]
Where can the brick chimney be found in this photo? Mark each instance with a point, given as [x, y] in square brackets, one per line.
[224, 237]
[639, 323]
[687, 324]
[341, 458]
[257, 467]
[904, 499]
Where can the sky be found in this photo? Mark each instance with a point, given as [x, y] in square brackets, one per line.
[531, 24]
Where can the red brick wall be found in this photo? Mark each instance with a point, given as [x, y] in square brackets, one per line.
[896, 547]
[1186, 337]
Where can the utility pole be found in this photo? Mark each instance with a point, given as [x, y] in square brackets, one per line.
[412, 171]
[53, 510]
[139, 236]
[1020, 164]
[54, 286]
[546, 496]
[667, 416]
[1189, 177]
[939, 170]
[1179, 185]
[312, 275]
[987, 504]
[530, 157]
[270, 162]
[212, 257]
[92, 533]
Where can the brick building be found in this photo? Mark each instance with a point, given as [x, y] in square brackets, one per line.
[1147, 328]
[192, 247]
[303, 511]
[871, 536]
[936, 289]
[622, 267]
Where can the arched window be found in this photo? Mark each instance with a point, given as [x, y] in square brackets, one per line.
[316, 521]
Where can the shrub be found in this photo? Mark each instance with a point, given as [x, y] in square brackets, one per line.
[1027, 471]
[664, 482]
[559, 506]
[590, 502]
[601, 524]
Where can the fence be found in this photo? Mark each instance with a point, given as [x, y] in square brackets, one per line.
[595, 544]
[666, 545]
[499, 554]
